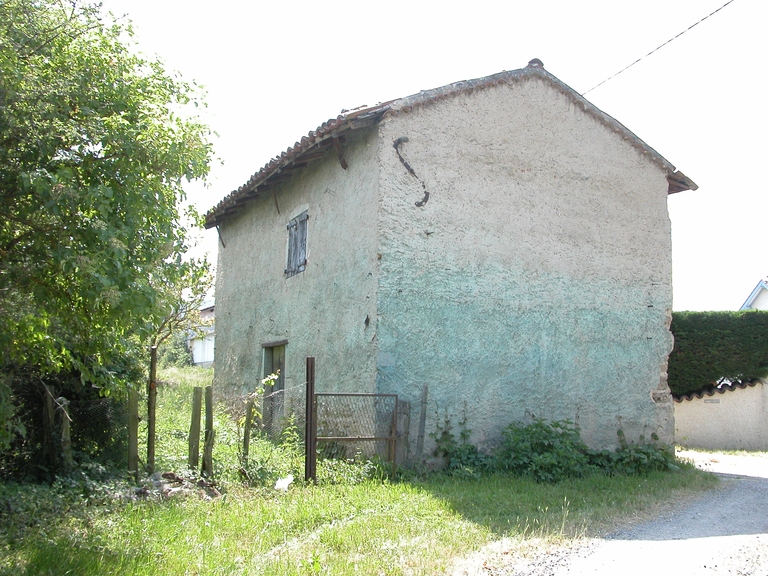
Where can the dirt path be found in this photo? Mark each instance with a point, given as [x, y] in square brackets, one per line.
[723, 532]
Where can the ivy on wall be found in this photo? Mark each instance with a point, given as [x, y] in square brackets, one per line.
[714, 347]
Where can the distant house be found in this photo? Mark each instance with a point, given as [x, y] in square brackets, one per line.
[202, 344]
[728, 417]
[500, 240]
[758, 298]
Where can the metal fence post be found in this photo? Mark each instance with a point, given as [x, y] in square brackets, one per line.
[310, 433]
[210, 433]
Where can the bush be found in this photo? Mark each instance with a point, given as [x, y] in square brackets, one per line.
[549, 452]
[462, 457]
[544, 451]
[638, 458]
[715, 347]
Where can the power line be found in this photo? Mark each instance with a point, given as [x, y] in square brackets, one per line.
[655, 49]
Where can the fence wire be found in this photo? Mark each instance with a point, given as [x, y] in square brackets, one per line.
[349, 425]
[283, 408]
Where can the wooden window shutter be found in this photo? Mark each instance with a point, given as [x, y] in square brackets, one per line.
[297, 245]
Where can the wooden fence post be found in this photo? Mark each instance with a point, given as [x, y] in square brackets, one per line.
[310, 433]
[151, 409]
[133, 433]
[194, 428]
[49, 428]
[66, 438]
[247, 431]
[209, 433]
[422, 423]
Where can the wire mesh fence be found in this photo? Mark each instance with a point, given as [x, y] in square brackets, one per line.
[349, 425]
[99, 429]
[280, 409]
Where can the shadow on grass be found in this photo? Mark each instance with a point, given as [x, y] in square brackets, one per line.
[592, 506]
[46, 557]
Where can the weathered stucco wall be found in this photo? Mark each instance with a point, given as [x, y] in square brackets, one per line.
[536, 280]
[735, 420]
[322, 311]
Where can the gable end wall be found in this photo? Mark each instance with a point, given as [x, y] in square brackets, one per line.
[536, 280]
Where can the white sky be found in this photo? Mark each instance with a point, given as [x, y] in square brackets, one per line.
[274, 71]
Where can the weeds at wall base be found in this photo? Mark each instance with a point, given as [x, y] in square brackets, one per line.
[549, 452]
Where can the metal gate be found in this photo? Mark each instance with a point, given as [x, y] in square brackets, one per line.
[336, 421]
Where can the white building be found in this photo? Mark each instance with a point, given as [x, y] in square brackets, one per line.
[203, 345]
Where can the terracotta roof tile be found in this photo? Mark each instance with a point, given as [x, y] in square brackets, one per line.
[722, 389]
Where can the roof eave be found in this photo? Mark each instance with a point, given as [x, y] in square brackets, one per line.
[762, 285]
[679, 182]
[310, 148]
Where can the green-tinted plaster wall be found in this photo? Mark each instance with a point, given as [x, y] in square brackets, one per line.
[320, 312]
[536, 281]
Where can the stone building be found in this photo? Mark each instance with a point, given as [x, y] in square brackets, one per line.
[500, 240]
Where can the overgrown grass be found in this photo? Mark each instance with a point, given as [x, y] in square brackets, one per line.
[348, 524]
[174, 402]
[368, 528]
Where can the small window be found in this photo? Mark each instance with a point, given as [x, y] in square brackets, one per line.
[297, 245]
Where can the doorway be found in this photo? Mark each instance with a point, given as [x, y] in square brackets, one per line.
[274, 395]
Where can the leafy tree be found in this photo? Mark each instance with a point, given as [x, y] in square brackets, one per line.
[175, 352]
[94, 151]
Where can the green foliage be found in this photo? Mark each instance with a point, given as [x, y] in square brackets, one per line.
[174, 352]
[640, 458]
[419, 527]
[94, 150]
[461, 456]
[98, 426]
[353, 522]
[715, 347]
[10, 427]
[270, 460]
[352, 470]
[548, 452]
[544, 451]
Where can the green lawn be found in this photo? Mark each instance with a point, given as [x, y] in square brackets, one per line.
[346, 525]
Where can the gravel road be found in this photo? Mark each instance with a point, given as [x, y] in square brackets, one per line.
[721, 532]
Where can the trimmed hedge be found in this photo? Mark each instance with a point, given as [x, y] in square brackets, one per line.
[711, 347]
